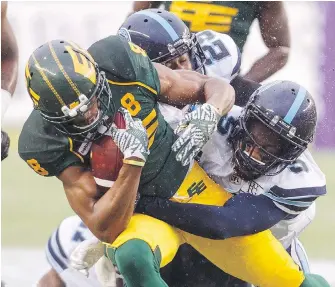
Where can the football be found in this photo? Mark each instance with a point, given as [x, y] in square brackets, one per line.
[106, 158]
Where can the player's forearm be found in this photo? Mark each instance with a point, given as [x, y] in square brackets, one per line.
[114, 209]
[243, 214]
[9, 58]
[269, 64]
[141, 5]
[182, 87]
[243, 90]
[219, 94]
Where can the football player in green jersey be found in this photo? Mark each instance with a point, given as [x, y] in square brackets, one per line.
[74, 99]
[235, 19]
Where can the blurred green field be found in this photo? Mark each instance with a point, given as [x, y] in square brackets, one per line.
[32, 206]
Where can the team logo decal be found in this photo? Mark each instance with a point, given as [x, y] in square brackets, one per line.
[123, 32]
[235, 179]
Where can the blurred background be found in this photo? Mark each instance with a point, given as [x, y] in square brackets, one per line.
[33, 206]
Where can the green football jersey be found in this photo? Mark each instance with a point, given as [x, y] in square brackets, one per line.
[135, 85]
[46, 150]
[230, 17]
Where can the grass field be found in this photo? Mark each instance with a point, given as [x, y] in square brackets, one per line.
[32, 206]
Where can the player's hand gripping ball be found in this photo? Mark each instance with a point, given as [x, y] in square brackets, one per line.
[127, 138]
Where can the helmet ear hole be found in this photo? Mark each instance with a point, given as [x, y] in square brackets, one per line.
[129, 27]
[66, 52]
[145, 20]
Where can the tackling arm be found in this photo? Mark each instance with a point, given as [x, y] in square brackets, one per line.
[181, 87]
[241, 215]
[243, 89]
[109, 215]
[276, 35]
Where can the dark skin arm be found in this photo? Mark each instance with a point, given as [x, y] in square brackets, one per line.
[243, 89]
[141, 5]
[9, 53]
[181, 87]
[105, 216]
[276, 35]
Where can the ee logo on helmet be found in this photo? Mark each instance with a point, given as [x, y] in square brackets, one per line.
[85, 65]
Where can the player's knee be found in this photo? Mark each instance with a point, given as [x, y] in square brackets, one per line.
[136, 257]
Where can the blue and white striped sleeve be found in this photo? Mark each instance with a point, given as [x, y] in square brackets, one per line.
[293, 201]
[296, 188]
[55, 253]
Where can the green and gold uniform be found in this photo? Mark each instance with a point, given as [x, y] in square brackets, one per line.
[230, 17]
[135, 85]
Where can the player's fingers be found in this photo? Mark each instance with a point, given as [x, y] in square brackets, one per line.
[84, 271]
[112, 131]
[78, 265]
[191, 155]
[127, 117]
[181, 127]
[178, 144]
[184, 136]
[182, 151]
[187, 149]
[138, 124]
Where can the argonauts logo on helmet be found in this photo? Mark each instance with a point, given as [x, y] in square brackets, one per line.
[123, 32]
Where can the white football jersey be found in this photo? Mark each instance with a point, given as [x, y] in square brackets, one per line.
[223, 60]
[69, 234]
[293, 190]
[223, 57]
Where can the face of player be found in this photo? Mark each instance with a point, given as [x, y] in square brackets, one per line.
[181, 63]
[89, 117]
[263, 143]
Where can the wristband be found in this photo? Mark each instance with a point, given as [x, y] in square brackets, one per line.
[5, 101]
[134, 162]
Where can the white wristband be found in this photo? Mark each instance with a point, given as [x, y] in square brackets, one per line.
[5, 101]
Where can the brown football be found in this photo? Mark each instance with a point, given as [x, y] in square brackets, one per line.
[106, 158]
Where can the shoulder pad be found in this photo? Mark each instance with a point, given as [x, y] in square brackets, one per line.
[296, 187]
[44, 149]
[123, 61]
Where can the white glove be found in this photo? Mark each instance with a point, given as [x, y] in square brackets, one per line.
[105, 272]
[194, 131]
[86, 254]
[133, 140]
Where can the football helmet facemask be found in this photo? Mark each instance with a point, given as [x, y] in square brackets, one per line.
[163, 36]
[68, 89]
[288, 112]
